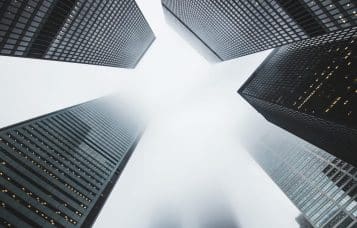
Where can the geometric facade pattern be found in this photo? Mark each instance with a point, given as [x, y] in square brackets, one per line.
[58, 169]
[107, 33]
[322, 187]
[241, 27]
[309, 88]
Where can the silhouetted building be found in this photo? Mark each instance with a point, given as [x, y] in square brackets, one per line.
[108, 33]
[309, 88]
[59, 169]
[240, 27]
[299, 169]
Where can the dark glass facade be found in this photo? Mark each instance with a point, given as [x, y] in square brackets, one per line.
[240, 27]
[310, 89]
[321, 186]
[58, 169]
[107, 33]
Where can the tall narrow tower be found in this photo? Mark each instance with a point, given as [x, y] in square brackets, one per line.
[59, 169]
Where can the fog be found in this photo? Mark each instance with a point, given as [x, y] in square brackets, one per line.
[190, 168]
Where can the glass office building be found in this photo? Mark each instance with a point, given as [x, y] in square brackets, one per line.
[58, 169]
[107, 33]
[309, 88]
[322, 187]
[240, 27]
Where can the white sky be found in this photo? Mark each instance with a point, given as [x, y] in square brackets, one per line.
[189, 163]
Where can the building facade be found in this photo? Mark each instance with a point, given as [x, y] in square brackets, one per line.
[108, 33]
[240, 27]
[322, 187]
[309, 88]
[58, 169]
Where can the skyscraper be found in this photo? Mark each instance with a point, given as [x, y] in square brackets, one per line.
[107, 33]
[321, 186]
[59, 169]
[236, 28]
[309, 88]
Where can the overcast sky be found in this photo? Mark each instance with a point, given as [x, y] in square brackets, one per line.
[189, 170]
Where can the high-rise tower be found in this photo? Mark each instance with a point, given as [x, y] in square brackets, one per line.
[59, 169]
[309, 88]
[321, 186]
[107, 33]
[236, 28]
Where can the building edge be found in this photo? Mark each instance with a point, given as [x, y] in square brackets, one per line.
[98, 206]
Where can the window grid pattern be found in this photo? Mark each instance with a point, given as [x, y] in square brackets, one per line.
[315, 76]
[54, 169]
[322, 186]
[109, 33]
[20, 21]
[236, 28]
[309, 89]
